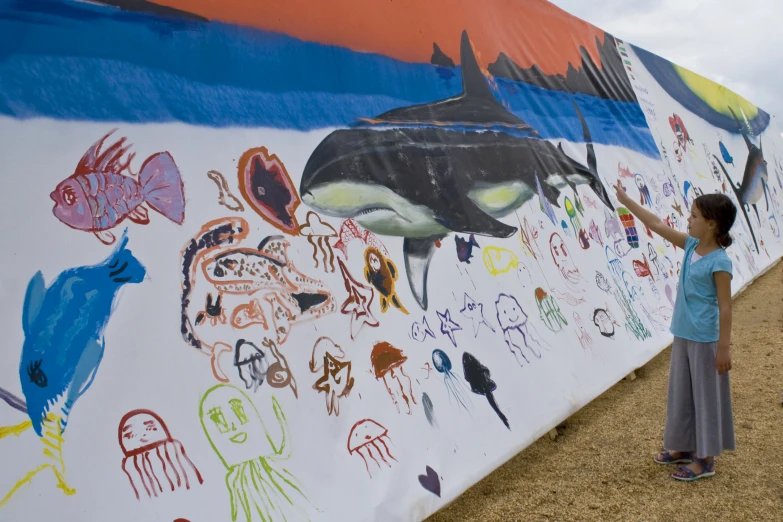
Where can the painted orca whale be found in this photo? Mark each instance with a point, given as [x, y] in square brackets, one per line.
[453, 165]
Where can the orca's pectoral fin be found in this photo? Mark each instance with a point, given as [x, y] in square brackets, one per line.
[468, 218]
[418, 253]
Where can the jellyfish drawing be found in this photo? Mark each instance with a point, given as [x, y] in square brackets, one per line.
[152, 452]
[644, 192]
[368, 439]
[251, 363]
[512, 318]
[584, 337]
[318, 234]
[549, 312]
[454, 386]
[387, 364]
[257, 484]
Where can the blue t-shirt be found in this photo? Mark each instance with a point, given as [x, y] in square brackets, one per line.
[696, 314]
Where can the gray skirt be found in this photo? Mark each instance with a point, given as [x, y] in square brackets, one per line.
[698, 411]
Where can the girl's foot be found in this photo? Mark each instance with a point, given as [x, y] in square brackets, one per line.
[673, 457]
[699, 468]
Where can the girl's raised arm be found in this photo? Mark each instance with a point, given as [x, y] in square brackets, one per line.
[655, 224]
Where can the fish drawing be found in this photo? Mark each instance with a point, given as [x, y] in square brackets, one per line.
[465, 248]
[103, 191]
[63, 327]
[424, 171]
[754, 179]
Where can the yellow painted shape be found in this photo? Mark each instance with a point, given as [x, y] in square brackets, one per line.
[715, 95]
[5, 431]
[498, 260]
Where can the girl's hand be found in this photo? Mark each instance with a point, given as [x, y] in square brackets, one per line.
[619, 192]
[723, 360]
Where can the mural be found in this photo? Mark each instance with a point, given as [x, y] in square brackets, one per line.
[355, 246]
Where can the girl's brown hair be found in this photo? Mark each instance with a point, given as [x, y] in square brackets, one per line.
[720, 209]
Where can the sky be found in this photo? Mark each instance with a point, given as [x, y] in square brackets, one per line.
[737, 43]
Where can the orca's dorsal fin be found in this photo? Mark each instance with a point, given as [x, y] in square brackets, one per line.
[474, 83]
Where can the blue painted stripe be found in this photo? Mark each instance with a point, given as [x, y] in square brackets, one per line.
[76, 61]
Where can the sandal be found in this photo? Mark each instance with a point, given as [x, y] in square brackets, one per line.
[688, 475]
[665, 457]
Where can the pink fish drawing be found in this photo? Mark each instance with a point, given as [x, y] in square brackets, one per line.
[103, 191]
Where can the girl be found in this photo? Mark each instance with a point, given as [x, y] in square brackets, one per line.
[699, 424]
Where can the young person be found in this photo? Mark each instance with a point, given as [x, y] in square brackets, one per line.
[699, 423]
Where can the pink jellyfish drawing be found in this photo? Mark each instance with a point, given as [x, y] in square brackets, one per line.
[368, 439]
[148, 447]
[318, 234]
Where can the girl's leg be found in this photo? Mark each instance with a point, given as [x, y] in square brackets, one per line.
[678, 435]
[712, 398]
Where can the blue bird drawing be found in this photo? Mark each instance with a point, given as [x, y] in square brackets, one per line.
[63, 347]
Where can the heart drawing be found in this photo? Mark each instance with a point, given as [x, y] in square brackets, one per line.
[430, 481]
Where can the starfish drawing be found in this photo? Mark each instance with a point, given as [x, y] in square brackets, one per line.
[447, 326]
[358, 303]
[475, 312]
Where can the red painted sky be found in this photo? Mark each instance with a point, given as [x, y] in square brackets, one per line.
[528, 31]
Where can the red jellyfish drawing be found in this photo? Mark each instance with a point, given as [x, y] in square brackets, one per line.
[143, 434]
[367, 439]
[387, 364]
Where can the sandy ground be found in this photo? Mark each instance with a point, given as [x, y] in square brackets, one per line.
[600, 467]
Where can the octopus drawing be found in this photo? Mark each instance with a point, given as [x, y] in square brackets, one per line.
[368, 440]
[387, 362]
[258, 486]
[151, 454]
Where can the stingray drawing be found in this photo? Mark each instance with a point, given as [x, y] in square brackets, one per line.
[456, 165]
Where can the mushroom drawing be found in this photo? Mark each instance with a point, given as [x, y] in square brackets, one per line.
[368, 439]
[318, 234]
[387, 363]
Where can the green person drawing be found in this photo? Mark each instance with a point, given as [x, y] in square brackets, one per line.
[238, 435]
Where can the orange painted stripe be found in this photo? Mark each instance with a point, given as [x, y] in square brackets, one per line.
[528, 31]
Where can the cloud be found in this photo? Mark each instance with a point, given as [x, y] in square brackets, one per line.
[736, 43]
